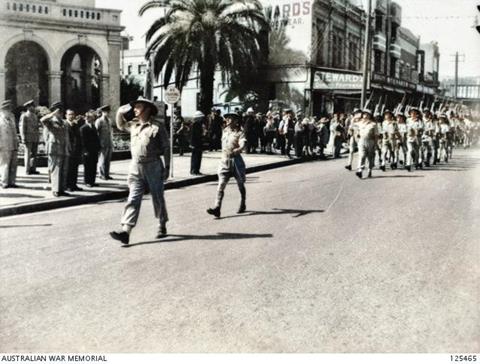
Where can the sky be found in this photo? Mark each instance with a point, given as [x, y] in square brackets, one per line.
[449, 22]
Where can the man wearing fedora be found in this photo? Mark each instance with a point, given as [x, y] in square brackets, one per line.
[149, 141]
[8, 146]
[231, 163]
[30, 134]
[57, 148]
[105, 134]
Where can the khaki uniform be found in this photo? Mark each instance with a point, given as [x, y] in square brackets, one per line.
[57, 150]
[390, 134]
[367, 144]
[105, 134]
[401, 142]
[8, 149]
[231, 165]
[414, 129]
[30, 133]
[148, 142]
[353, 141]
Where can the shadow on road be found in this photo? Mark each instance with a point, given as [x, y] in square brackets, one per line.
[397, 176]
[18, 195]
[21, 226]
[295, 212]
[219, 236]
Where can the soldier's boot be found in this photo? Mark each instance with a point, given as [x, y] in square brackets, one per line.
[243, 206]
[359, 173]
[381, 167]
[408, 168]
[218, 205]
[349, 167]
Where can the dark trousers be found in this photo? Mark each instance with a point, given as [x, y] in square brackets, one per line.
[180, 141]
[196, 160]
[90, 166]
[72, 171]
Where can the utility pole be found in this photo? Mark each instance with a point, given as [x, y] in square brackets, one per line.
[366, 56]
[457, 60]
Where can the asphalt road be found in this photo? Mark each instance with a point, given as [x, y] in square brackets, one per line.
[321, 262]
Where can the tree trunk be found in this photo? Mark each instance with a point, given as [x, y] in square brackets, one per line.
[207, 76]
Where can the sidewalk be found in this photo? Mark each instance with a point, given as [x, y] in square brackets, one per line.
[34, 193]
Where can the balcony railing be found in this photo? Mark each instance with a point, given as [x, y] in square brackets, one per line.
[395, 50]
[53, 11]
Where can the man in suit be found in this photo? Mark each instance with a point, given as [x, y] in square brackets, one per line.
[57, 148]
[74, 154]
[30, 134]
[197, 143]
[105, 134]
[91, 148]
[8, 146]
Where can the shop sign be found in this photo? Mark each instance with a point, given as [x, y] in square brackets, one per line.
[337, 81]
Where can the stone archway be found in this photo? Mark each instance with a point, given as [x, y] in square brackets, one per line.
[82, 72]
[26, 73]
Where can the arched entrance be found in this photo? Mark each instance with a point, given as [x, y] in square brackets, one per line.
[81, 79]
[26, 73]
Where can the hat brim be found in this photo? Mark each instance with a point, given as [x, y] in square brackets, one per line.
[232, 116]
[146, 102]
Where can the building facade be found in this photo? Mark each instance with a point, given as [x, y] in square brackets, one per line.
[60, 50]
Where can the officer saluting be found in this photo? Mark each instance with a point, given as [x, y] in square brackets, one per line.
[30, 134]
[231, 163]
[149, 142]
[57, 148]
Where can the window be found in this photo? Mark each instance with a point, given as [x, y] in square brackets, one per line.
[70, 12]
[81, 14]
[142, 69]
[98, 16]
[354, 60]
[76, 13]
[379, 23]
[8, 6]
[129, 69]
[27, 7]
[337, 50]
[394, 32]
[34, 8]
[40, 10]
[14, 7]
[393, 66]
[64, 12]
[46, 9]
[377, 66]
[20, 7]
[87, 15]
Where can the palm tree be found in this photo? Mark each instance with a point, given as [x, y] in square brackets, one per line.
[206, 35]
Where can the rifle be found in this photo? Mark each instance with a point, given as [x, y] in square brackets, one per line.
[377, 107]
[369, 100]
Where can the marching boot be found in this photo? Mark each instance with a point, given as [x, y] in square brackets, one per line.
[359, 174]
[408, 168]
[243, 206]
[381, 167]
[349, 167]
[218, 205]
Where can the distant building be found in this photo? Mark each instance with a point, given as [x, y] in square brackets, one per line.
[66, 50]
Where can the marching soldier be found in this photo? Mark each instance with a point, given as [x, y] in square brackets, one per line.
[30, 133]
[352, 134]
[149, 142]
[446, 137]
[231, 163]
[57, 148]
[401, 140]
[8, 146]
[428, 138]
[367, 142]
[414, 128]
[105, 134]
[390, 134]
